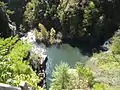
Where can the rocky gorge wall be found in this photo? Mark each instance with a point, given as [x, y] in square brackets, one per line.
[4, 27]
[39, 54]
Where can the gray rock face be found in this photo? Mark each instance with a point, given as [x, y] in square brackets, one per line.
[41, 51]
[8, 87]
[18, 6]
[4, 27]
[22, 86]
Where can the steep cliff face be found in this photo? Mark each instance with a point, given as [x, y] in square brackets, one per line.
[4, 27]
[18, 6]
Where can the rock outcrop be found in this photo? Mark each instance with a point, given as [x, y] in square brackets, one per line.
[40, 59]
[4, 27]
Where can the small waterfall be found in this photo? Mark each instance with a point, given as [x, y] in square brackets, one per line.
[13, 28]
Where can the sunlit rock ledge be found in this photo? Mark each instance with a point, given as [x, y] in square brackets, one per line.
[39, 49]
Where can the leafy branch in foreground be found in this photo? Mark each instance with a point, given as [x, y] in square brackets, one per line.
[13, 69]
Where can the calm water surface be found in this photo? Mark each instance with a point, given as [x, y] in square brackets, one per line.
[64, 53]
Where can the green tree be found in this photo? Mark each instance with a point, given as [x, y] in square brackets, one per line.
[30, 14]
[85, 77]
[68, 78]
[60, 77]
[13, 68]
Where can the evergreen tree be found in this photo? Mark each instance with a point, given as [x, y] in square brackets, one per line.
[60, 77]
[69, 79]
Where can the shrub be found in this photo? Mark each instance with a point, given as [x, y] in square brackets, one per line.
[52, 36]
[13, 69]
[48, 37]
[43, 30]
[98, 86]
[60, 77]
[68, 79]
[115, 47]
[30, 14]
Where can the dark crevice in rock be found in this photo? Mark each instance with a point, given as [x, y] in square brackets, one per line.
[4, 27]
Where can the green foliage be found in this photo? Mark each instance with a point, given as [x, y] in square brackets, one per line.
[52, 35]
[92, 19]
[21, 28]
[106, 67]
[35, 61]
[60, 77]
[68, 79]
[38, 35]
[80, 78]
[84, 74]
[53, 14]
[6, 45]
[102, 86]
[43, 30]
[31, 12]
[90, 14]
[41, 34]
[116, 43]
[71, 17]
[5, 8]
[66, 16]
[98, 86]
[2, 4]
[62, 8]
[45, 36]
[13, 69]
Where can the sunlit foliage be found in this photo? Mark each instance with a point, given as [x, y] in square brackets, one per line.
[13, 68]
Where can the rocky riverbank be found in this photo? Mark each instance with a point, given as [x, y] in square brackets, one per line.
[37, 57]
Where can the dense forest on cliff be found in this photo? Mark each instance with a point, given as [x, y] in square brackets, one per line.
[91, 25]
